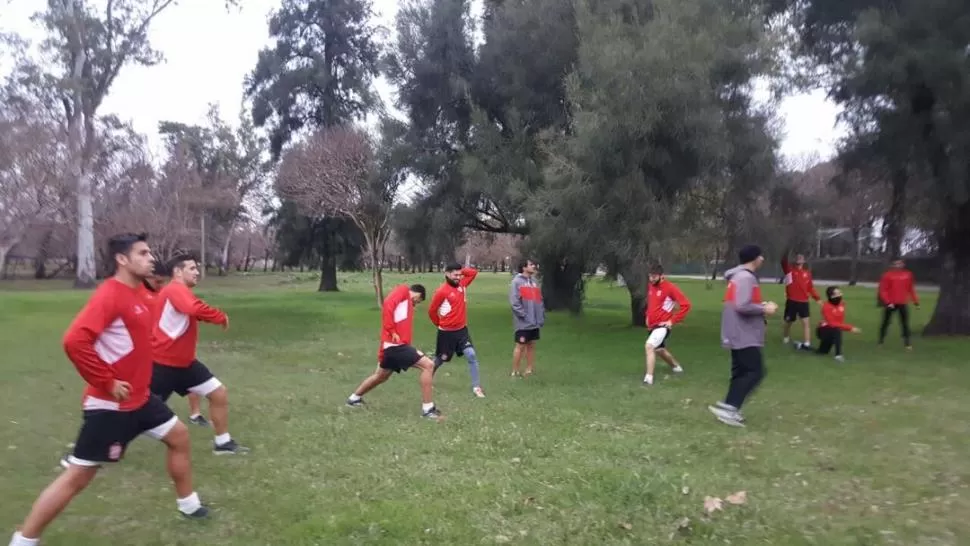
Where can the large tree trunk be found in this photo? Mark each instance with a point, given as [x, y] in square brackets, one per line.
[562, 284]
[636, 284]
[854, 264]
[895, 223]
[376, 262]
[86, 266]
[952, 313]
[4, 251]
[43, 252]
[328, 264]
[224, 256]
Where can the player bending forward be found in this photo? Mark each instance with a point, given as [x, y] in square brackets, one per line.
[110, 344]
[175, 336]
[396, 353]
[662, 297]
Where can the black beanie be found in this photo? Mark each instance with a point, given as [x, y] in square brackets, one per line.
[749, 253]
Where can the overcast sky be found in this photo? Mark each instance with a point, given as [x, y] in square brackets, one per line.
[208, 51]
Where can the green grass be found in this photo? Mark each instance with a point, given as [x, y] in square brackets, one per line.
[874, 451]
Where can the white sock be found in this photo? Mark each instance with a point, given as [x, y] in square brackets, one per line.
[648, 379]
[426, 407]
[354, 397]
[189, 504]
[221, 439]
[20, 540]
[787, 340]
[195, 416]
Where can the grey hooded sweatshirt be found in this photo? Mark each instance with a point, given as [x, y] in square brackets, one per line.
[525, 297]
[743, 317]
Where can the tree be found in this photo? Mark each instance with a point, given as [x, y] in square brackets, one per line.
[905, 85]
[89, 46]
[317, 75]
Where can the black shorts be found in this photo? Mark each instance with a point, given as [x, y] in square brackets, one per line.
[195, 378]
[452, 342]
[400, 358]
[527, 336]
[105, 434]
[795, 310]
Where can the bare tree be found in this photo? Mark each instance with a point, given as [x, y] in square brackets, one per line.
[338, 172]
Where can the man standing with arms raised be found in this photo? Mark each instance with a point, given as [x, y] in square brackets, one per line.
[110, 344]
[743, 332]
[528, 315]
[448, 312]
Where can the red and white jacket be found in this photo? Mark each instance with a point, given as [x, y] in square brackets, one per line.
[833, 316]
[661, 300]
[448, 310]
[397, 319]
[111, 339]
[176, 331]
[897, 287]
[798, 283]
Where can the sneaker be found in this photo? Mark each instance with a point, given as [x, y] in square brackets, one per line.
[647, 381]
[839, 358]
[678, 370]
[229, 448]
[199, 420]
[478, 392]
[432, 413]
[201, 513]
[355, 403]
[729, 417]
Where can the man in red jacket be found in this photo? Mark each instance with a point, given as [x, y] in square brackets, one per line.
[109, 342]
[662, 297]
[448, 312]
[798, 288]
[174, 340]
[396, 353]
[896, 289]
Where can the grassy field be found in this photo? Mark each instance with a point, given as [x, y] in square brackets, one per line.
[873, 451]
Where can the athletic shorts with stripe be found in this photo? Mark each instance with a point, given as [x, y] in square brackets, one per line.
[105, 434]
[196, 378]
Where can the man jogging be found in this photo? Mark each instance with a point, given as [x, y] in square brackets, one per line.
[448, 312]
[528, 316]
[663, 297]
[743, 332]
[896, 289]
[798, 288]
[175, 339]
[396, 353]
[110, 344]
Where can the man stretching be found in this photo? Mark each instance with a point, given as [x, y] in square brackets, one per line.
[396, 353]
[175, 336]
[798, 288]
[528, 315]
[448, 312]
[110, 344]
[896, 289]
[662, 297]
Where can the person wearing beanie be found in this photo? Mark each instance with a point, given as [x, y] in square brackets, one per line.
[743, 321]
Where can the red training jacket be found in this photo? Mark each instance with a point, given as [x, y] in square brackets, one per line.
[833, 316]
[660, 303]
[448, 310]
[897, 287]
[798, 282]
[397, 317]
[176, 331]
[111, 339]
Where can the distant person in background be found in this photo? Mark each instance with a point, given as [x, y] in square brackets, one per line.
[743, 332]
[798, 288]
[833, 324]
[897, 289]
[663, 297]
[448, 312]
[528, 315]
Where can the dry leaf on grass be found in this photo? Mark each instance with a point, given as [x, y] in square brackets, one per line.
[712, 504]
[685, 490]
[627, 526]
[740, 497]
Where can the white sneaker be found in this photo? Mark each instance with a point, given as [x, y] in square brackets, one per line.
[786, 341]
[648, 380]
[478, 392]
[839, 358]
[678, 369]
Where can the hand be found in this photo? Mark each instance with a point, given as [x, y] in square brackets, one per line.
[120, 390]
[395, 338]
[856, 331]
[225, 325]
[770, 308]
[666, 324]
[890, 306]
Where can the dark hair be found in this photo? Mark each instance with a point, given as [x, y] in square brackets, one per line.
[419, 289]
[525, 263]
[453, 266]
[178, 261]
[749, 253]
[656, 269]
[121, 244]
[830, 290]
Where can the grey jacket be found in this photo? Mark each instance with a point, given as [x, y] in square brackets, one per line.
[525, 297]
[743, 316]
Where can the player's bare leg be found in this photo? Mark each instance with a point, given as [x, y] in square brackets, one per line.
[669, 358]
[219, 410]
[651, 363]
[379, 376]
[786, 331]
[807, 332]
[530, 357]
[55, 498]
[179, 463]
[195, 410]
[426, 365]
[517, 354]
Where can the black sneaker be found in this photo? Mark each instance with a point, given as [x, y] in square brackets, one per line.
[432, 413]
[201, 513]
[355, 403]
[229, 448]
[199, 420]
